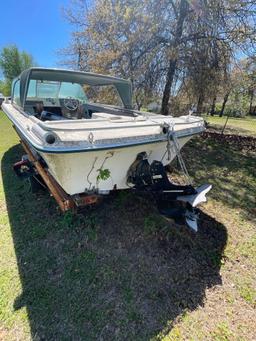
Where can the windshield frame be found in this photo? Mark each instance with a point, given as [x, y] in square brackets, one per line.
[123, 86]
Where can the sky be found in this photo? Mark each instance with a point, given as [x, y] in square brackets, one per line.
[37, 27]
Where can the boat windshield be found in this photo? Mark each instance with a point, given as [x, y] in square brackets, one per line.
[57, 99]
[42, 89]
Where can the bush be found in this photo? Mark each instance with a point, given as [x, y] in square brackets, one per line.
[234, 111]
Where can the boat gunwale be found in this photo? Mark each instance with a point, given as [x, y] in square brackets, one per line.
[116, 125]
[47, 127]
[94, 147]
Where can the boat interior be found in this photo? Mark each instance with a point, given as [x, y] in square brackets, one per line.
[72, 109]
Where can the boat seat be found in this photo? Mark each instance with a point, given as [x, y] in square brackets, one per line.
[86, 112]
[49, 116]
[116, 118]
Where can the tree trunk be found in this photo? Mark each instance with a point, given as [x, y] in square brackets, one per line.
[251, 101]
[200, 104]
[139, 106]
[183, 10]
[225, 99]
[138, 103]
[168, 86]
[212, 112]
[79, 66]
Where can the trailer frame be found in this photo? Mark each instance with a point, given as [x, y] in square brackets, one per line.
[65, 201]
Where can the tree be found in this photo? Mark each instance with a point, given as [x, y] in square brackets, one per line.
[12, 63]
[5, 87]
[250, 69]
[226, 87]
[208, 25]
[243, 87]
[180, 13]
[149, 42]
[121, 34]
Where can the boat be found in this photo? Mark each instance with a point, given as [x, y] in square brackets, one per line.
[90, 146]
[87, 146]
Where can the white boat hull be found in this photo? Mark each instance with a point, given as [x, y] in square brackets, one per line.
[85, 149]
[80, 172]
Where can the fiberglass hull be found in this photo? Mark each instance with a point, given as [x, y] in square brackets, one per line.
[103, 170]
[94, 155]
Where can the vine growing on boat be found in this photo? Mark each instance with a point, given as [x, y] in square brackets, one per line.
[104, 174]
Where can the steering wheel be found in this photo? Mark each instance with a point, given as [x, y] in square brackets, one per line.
[71, 104]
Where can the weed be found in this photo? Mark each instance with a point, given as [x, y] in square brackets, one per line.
[104, 174]
[222, 332]
[247, 292]
[153, 223]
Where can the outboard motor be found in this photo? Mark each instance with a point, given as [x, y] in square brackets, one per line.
[153, 177]
[139, 172]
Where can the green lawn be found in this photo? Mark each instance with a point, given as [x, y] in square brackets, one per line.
[122, 272]
[241, 126]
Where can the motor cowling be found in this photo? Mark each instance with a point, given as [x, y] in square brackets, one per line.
[139, 174]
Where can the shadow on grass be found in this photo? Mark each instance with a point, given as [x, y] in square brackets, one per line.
[231, 171]
[118, 273]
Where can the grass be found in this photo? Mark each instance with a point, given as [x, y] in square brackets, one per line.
[241, 126]
[122, 272]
